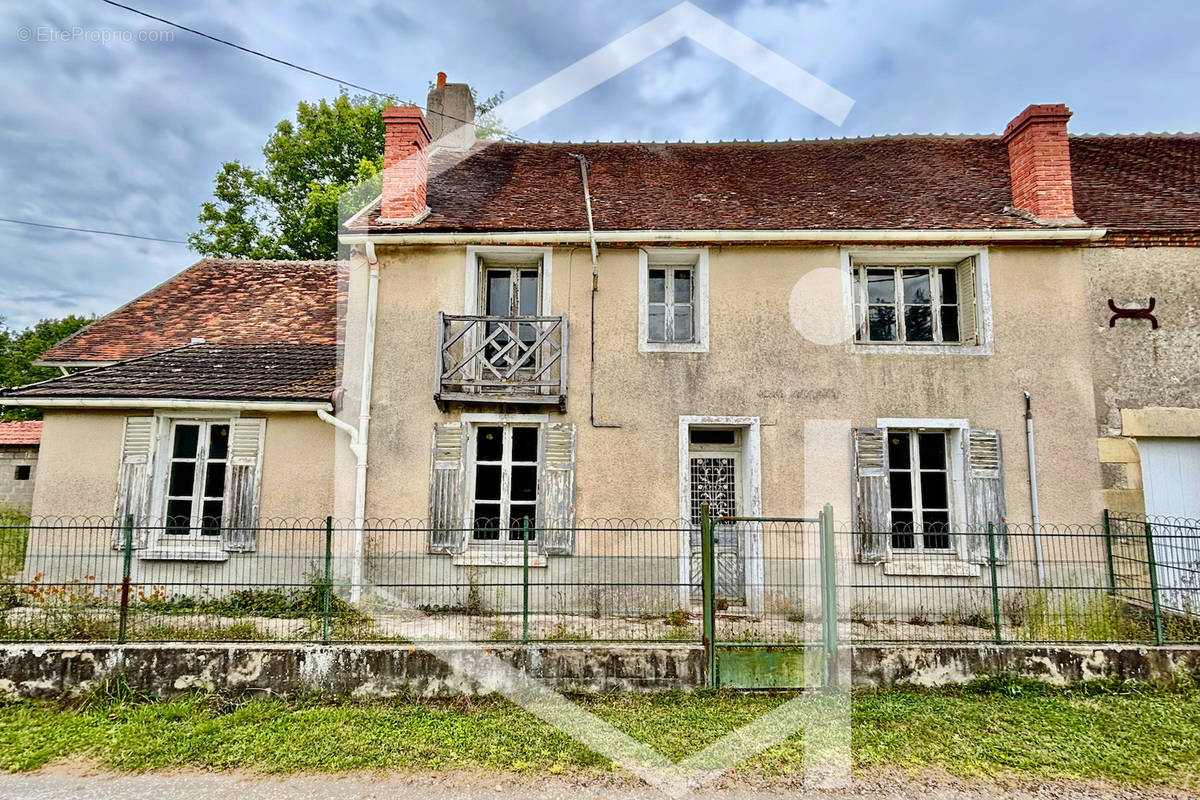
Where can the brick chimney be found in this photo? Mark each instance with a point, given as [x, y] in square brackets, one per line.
[405, 163]
[1039, 161]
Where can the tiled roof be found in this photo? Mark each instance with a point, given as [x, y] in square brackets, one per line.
[302, 372]
[25, 433]
[896, 182]
[223, 301]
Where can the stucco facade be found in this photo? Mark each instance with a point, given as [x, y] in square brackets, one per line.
[766, 307]
[81, 454]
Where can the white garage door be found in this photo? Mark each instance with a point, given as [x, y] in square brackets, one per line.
[1171, 480]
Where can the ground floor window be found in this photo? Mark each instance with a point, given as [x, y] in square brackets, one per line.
[504, 483]
[196, 476]
[919, 478]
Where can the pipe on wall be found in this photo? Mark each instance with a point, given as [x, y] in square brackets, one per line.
[1033, 493]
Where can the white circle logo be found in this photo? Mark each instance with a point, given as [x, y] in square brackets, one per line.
[816, 308]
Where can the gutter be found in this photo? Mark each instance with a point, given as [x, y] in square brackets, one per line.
[150, 402]
[636, 236]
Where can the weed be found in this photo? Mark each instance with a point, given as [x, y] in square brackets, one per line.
[678, 618]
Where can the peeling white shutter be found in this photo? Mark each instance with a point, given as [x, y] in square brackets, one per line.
[968, 317]
[556, 529]
[984, 467]
[134, 479]
[242, 487]
[447, 529]
[872, 499]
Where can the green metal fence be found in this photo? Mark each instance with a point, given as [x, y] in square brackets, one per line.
[750, 583]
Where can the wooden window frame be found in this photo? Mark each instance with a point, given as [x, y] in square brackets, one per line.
[918, 509]
[672, 258]
[199, 479]
[505, 532]
[863, 303]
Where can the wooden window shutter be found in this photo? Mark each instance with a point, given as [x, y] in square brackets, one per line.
[447, 529]
[556, 528]
[242, 488]
[871, 495]
[968, 316]
[984, 468]
[134, 479]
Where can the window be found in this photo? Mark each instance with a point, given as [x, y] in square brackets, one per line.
[918, 300]
[714, 464]
[673, 298]
[196, 476]
[24, 471]
[919, 478]
[505, 483]
[670, 304]
[909, 304]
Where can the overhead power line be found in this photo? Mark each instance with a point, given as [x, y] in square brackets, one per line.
[251, 51]
[90, 230]
[286, 63]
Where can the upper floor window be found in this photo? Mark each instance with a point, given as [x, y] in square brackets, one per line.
[919, 300]
[673, 300]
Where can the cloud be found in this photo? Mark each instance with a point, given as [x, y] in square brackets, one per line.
[128, 136]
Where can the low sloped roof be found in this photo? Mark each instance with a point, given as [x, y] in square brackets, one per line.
[223, 301]
[263, 372]
[25, 433]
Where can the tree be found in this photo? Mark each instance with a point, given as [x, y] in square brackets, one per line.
[18, 351]
[289, 208]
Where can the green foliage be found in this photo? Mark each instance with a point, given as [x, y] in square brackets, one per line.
[19, 349]
[304, 603]
[1040, 615]
[331, 155]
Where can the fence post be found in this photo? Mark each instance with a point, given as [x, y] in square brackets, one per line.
[525, 579]
[829, 610]
[1108, 551]
[123, 626]
[327, 595]
[1152, 562]
[708, 592]
[991, 533]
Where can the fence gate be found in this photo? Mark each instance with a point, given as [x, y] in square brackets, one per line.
[787, 636]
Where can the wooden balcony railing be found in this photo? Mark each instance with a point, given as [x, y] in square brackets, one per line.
[501, 360]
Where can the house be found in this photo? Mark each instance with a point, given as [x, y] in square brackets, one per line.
[527, 338]
[18, 463]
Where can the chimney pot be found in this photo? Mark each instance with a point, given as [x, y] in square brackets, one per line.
[441, 79]
[1039, 162]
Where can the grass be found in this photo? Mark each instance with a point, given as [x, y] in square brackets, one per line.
[14, 537]
[1127, 734]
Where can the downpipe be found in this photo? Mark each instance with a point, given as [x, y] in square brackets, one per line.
[1033, 492]
[359, 436]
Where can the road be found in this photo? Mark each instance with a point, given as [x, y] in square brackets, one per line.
[78, 782]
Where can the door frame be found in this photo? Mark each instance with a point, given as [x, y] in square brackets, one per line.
[751, 462]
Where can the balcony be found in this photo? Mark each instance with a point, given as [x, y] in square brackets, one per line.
[501, 360]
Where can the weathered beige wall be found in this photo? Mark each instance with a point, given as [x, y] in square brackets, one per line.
[1144, 376]
[758, 365]
[81, 452]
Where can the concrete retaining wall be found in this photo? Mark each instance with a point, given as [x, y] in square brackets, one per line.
[28, 670]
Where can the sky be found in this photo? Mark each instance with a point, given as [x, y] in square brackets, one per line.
[113, 121]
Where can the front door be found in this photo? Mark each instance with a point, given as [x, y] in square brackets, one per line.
[512, 292]
[715, 477]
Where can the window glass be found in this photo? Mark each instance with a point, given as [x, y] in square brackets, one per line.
[23, 472]
[529, 293]
[658, 286]
[721, 436]
[218, 441]
[683, 286]
[187, 438]
[658, 324]
[499, 304]
[882, 324]
[881, 286]
[683, 324]
[489, 443]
